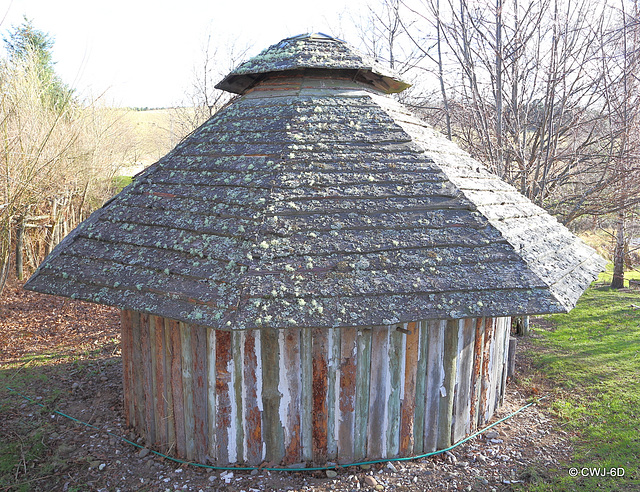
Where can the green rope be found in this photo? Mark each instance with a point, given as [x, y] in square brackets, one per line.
[251, 468]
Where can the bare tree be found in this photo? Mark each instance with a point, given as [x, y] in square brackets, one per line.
[57, 162]
[218, 58]
[623, 92]
[524, 90]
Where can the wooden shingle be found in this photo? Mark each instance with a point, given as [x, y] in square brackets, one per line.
[315, 200]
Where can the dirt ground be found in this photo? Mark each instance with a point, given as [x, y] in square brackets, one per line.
[65, 357]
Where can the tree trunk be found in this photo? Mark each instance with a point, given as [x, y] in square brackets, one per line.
[617, 282]
[20, 248]
[5, 252]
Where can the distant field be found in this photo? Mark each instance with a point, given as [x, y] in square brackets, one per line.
[154, 132]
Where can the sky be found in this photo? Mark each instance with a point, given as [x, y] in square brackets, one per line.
[142, 53]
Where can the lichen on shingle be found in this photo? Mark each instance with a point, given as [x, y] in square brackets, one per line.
[327, 206]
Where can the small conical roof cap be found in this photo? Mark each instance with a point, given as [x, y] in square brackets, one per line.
[312, 52]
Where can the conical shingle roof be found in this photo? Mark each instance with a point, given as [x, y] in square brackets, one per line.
[312, 53]
[315, 200]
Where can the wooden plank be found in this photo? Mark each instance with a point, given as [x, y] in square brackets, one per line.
[319, 396]
[137, 374]
[236, 439]
[290, 387]
[378, 393]
[476, 374]
[223, 397]
[152, 396]
[306, 397]
[273, 433]
[363, 382]
[421, 379]
[450, 363]
[435, 381]
[333, 391]
[252, 400]
[412, 344]
[505, 359]
[396, 365]
[200, 388]
[511, 357]
[211, 394]
[494, 368]
[158, 352]
[485, 389]
[126, 343]
[176, 388]
[146, 372]
[463, 393]
[187, 390]
[168, 391]
[347, 394]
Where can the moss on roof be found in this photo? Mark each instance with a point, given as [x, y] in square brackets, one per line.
[305, 203]
[312, 52]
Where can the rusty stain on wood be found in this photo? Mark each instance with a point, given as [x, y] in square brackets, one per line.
[365, 393]
[290, 361]
[223, 397]
[319, 385]
[407, 437]
[306, 398]
[485, 390]
[476, 373]
[237, 405]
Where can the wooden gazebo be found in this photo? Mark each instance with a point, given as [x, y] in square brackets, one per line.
[315, 274]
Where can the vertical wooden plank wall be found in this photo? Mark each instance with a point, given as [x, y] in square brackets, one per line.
[310, 394]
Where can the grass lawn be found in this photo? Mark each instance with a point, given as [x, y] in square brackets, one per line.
[593, 357]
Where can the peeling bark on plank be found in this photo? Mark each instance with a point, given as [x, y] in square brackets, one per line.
[407, 437]
[476, 375]
[445, 404]
[320, 411]
[347, 394]
[223, 397]
[290, 362]
[253, 414]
